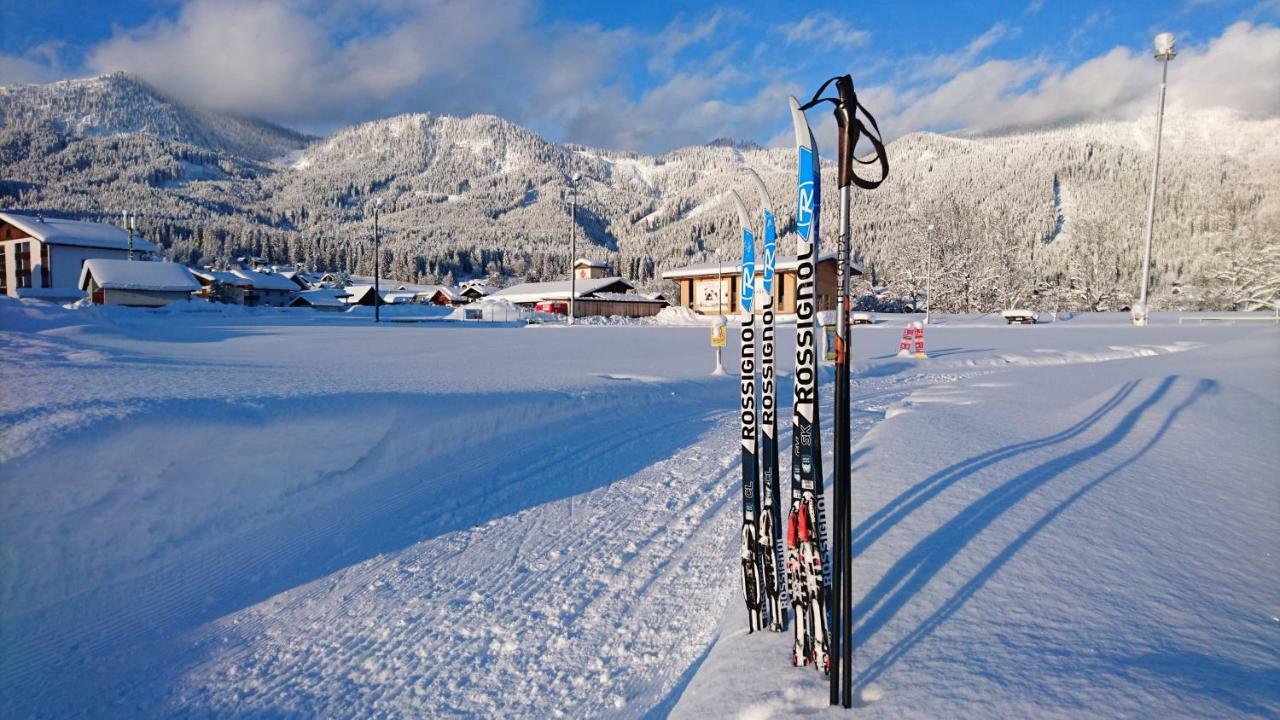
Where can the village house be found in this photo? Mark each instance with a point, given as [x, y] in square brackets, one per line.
[447, 296]
[473, 290]
[605, 296]
[267, 289]
[325, 299]
[712, 289]
[138, 283]
[42, 257]
[221, 286]
[584, 269]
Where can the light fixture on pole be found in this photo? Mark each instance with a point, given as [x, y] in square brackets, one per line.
[129, 220]
[1164, 46]
[377, 294]
[573, 246]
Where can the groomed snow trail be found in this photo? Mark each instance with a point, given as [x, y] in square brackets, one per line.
[568, 608]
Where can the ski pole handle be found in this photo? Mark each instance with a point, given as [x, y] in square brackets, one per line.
[848, 129]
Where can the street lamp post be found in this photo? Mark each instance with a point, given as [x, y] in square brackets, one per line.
[1164, 45]
[928, 275]
[377, 259]
[573, 246]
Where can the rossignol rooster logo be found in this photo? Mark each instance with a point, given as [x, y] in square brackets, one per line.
[770, 249]
[748, 269]
[804, 198]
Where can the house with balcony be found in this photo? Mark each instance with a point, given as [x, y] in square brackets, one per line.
[41, 257]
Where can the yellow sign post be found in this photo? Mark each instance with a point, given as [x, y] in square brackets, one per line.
[719, 335]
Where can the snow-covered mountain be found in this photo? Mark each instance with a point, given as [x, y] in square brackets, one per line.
[118, 104]
[1045, 217]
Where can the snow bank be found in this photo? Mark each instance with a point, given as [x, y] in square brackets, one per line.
[491, 310]
[681, 316]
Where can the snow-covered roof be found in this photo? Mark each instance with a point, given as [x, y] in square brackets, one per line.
[784, 263]
[322, 297]
[221, 276]
[448, 292]
[385, 284]
[56, 231]
[624, 297]
[266, 281]
[477, 289]
[137, 275]
[559, 290]
[583, 262]
[356, 293]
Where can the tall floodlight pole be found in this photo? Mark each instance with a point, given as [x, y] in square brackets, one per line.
[1164, 53]
[573, 246]
[928, 275]
[377, 259]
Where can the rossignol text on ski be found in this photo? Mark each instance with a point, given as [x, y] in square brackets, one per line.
[752, 572]
[807, 563]
[772, 558]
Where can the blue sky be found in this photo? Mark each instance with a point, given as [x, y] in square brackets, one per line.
[654, 75]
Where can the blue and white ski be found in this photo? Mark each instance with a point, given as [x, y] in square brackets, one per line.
[773, 562]
[752, 580]
[807, 563]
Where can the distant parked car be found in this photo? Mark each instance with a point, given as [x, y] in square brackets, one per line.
[552, 306]
[861, 318]
[1021, 317]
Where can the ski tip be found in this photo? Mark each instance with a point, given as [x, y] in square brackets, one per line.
[761, 190]
[743, 216]
[804, 136]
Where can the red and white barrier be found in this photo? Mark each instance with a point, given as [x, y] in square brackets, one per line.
[912, 338]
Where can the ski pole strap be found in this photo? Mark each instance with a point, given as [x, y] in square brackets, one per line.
[852, 128]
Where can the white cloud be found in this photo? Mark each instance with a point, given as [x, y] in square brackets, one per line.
[1235, 70]
[825, 28]
[279, 59]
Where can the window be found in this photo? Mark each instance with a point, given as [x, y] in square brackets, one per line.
[46, 266]
[4, 269]
[22, 264]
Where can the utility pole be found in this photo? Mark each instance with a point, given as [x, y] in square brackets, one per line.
[377, 258]
[1164, 43]
[928, 276]
[573, 247]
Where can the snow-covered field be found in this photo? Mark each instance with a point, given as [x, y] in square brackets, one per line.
[279, 514]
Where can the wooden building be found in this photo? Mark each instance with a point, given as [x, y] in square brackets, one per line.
[138, 283]
[605, 296]
[585, 269]
[712, 289]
